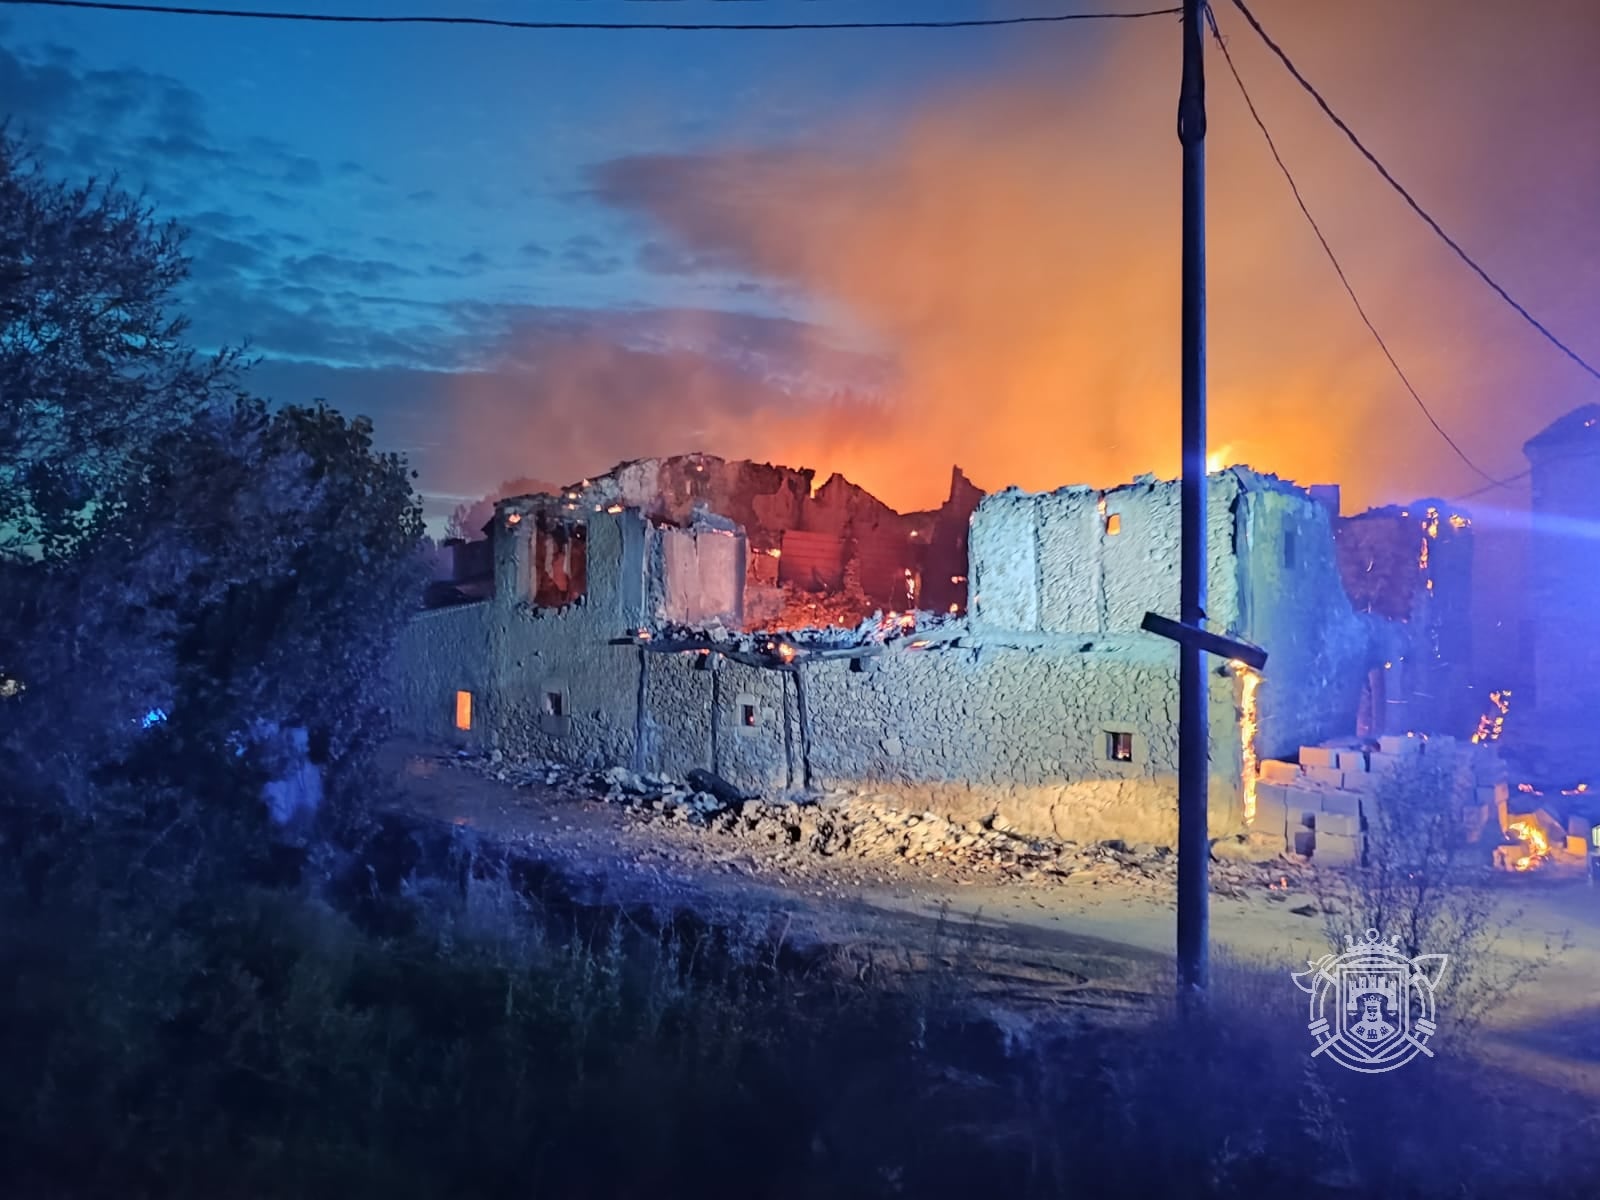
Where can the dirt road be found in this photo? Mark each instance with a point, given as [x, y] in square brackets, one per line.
[1097, 938]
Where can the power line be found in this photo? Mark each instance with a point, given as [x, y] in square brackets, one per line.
[1407, 197]
[1334, 259]
[1489, 487]
[606, 26]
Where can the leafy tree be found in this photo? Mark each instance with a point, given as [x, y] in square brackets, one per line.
[93, 365]
[180, 566]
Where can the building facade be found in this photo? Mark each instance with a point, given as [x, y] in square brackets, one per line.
[615, 633]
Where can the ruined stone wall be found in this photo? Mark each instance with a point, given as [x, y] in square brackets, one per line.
[1079, 560]
[439, 652]
[560, 690]
[1293, 604]
[1019, 731]
[1564, 570]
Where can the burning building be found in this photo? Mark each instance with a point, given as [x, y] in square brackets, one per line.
[985, 658]
[1410, 566]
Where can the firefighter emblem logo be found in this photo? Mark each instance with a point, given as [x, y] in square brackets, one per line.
[1372, 1008]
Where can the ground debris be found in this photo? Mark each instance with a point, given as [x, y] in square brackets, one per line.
[802, 831]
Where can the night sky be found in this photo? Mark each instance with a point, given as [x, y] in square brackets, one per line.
[534, 254]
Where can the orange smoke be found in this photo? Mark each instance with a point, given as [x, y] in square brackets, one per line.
[1013, 251]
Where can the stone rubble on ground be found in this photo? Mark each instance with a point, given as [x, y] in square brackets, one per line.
[874, 830]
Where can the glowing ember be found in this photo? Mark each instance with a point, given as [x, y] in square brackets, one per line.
[1248, 721]
[955, 608]
[1457, 521]
[1531, 836]
[1493, 723]
[1217, 459]
[615, 508]
[513, 518]
[774, 553]
[786, 652]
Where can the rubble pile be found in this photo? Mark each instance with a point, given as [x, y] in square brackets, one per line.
[880, 628]
[868, 830]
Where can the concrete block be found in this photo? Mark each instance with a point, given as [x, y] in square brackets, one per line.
[1304, 804]
[1275, 770]
[1578, 846]
[1345, 804]
[1579, 827]
[1318, 756]
[1352, 761]
[1327, 776]
[1272, 810]
[1493, 794]
[1406, 744]
[1474, 821]
[1305, 842]
[1335, 850]
[1337, 825]
[1357, 781]
[1379, 763]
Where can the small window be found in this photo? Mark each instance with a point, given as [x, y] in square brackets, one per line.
[1119, 746]
[747, 715]
[1113, 524]
[1288, 547]
[555, 704]
[463, 710]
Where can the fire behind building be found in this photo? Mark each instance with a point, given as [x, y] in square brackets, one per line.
[983, 659]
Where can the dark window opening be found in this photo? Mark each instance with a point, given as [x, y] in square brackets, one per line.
[1288, 547]
[555, 704]
[747, 715]
[1119, 747]
[1114, 524]
[560, 562]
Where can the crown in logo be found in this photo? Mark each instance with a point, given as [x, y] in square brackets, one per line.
[1372, 940]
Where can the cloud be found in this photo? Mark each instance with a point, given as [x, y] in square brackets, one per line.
[334, 268]
[585, 254]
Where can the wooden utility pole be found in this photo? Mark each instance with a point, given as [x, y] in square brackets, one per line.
[1194, 724]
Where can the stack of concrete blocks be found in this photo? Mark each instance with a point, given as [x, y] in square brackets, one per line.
[1491, 791]
[1322, 805]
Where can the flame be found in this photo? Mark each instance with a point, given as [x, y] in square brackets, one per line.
[615, 508]
[1217, 459]
[1492, 724]
[786, 652]
[1457, 521]
[1249, 721]
[774, 553]
[1529, 833]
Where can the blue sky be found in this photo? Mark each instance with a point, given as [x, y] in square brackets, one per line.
[530, 254]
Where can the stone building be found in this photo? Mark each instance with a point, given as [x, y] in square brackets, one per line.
[618, 631]
[1557, 729]
[1411, 566]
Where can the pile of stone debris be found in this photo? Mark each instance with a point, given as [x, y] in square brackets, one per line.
[875, 831]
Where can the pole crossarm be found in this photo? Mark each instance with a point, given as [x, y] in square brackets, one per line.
[1204, 640]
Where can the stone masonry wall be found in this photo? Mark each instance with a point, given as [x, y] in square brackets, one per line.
[442, 651]
[1014, 730]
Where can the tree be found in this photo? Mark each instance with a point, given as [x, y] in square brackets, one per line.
[181, 568]
[93, 365]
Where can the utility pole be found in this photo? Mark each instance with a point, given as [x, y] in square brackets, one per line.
[1194, 722]
[1194, 640]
